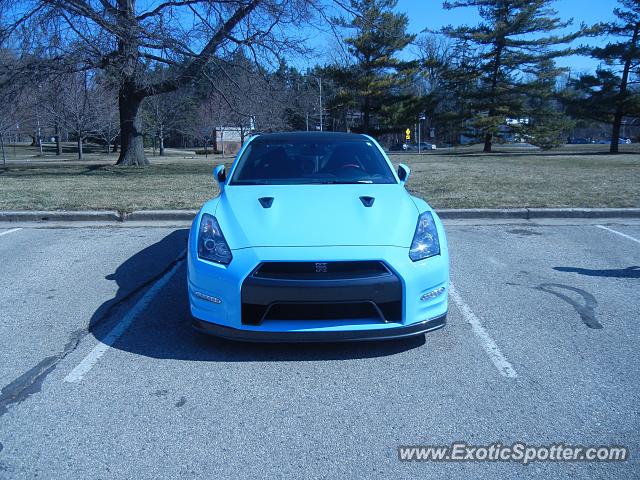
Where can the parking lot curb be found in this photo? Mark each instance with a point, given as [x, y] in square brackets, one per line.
[479, 213]
[60, 216]
[188, 215]
[536, 213]
[159, 215]
[584, 212]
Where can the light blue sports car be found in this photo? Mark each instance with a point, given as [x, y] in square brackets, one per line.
[315, 238]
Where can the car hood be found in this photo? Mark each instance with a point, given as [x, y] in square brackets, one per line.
[316, 215]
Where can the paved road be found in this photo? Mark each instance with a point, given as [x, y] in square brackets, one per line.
[541, 347]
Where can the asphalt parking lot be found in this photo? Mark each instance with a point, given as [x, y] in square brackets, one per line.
[101, 377]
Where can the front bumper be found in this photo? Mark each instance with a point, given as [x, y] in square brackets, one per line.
[267, 336]
[225, 284]
[402, 299]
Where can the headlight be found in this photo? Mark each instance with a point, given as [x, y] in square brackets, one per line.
[211, 243]
[425, 241]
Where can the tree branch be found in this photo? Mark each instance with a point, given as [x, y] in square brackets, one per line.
[156, 58]
[197, 65]
[82, 8]
[162, 6]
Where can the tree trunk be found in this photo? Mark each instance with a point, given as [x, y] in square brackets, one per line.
[80, 153]
[366, 115]
[4, 153]
[161, 142]
[131, 140]
[615, 131]
[131, 94]
[488, 138]
[58, 141]
[620, 106]
[487, 143]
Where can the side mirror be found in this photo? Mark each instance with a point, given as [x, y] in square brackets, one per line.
[403, 173]
[220, 175]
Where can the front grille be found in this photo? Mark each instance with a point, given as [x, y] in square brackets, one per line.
[321, 311]
[320, 270]
[321, 291]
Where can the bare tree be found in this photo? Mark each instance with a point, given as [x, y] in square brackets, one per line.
[79, 110]
[51, 100]
[204, 121]
[8, 113]
[434, 54]
[14, 115]
[165, 113]
[31, 117]
[121, 37]
[105, 112]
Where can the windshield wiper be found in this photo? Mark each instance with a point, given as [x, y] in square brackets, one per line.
[345, 182]
[327, 181]
[251, 182]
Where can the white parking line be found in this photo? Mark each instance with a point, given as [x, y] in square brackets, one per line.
[502, 364]
[76, 375]
[619, 233]
[10, 231]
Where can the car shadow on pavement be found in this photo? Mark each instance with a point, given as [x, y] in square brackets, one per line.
[162, 329]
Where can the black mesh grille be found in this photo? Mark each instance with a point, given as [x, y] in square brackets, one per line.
[320, 270]
[321, 291]
[321, 311]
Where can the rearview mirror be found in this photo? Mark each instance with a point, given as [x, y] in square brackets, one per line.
[220, 175]
[403, 173]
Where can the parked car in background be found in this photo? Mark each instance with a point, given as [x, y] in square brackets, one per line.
[621, 141]
[425, 146]
[579, 141]
[402, 147]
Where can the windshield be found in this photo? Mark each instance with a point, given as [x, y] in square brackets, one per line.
[315, 161]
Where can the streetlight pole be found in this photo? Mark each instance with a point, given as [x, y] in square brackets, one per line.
[319, 80]
[421, 117]
[321, 108]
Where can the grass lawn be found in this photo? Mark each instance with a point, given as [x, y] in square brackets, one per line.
[568, 177]
[575, 176]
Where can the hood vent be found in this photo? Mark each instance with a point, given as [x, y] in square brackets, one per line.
[367, 201]
[266, 202]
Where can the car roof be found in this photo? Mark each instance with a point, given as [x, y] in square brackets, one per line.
[310, 136]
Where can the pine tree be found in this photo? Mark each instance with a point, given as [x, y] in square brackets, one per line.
[512, 40]
[607, 96]
[458, 83]
[373, 82]
[546, 124]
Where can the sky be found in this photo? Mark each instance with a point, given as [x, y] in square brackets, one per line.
[430, 14]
